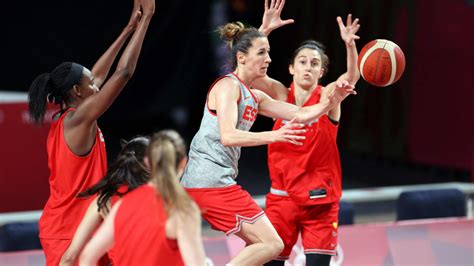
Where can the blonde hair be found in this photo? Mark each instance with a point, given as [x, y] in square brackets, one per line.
[163, 152]
[238, 38]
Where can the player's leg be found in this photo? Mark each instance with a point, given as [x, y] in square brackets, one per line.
[282, 213]
[263, 243]
[318, 260]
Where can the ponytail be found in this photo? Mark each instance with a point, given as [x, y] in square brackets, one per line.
[37, 94]
[53, 87]
[163, 154]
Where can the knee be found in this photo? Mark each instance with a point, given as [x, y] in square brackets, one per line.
[276, 246]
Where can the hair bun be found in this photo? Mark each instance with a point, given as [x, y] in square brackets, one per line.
[231, 30]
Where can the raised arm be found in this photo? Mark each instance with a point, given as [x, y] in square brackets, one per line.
[102, 66]
[102, 241]
[80, 125]
[352, 75]
[348, 35]
[272, 20]
[89, 223]
[224, 97]
[94, 106]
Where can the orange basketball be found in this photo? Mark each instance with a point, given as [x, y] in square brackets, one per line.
[381, 62]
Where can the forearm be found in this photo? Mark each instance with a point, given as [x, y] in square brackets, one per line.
[129, 58]
[352, 75]
[310, 113]
[242, 138]
[335, 113]
[102, 66]
[100, 102]
[102, 241]
[88, 225]
[89, 257]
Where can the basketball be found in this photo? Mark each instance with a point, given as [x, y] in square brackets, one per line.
[381, 62]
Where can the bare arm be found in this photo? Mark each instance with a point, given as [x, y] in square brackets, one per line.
[89, 223]
[80, 126]
[271, 20]
[348, 35]
[102, 241]
[282, 110]
[271, 87]
[224, 97]
[94, 106]
[337, 90]
[102, 66]
[352, 75]
[188, 235]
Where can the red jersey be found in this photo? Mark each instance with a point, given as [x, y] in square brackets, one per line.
[113, 200]
[140, 231]
[70, 174]
[311, 173]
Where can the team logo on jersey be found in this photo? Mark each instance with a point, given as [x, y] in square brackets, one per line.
[250, 113]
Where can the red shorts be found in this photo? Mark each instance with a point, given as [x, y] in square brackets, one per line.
[225, 209]
[318, 225]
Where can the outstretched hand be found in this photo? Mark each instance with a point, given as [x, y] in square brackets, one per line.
[290, 133]
[271, 17]
[348, 31]
[341, 91]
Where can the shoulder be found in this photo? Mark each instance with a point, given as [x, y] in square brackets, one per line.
[226, 82]
[260, 94]
[226, 86]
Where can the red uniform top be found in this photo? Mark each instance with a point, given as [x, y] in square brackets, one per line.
[113, 200]
[310, 174]
[140, 231]
[70, 174]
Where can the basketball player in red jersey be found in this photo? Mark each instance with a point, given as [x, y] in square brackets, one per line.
[75, 145]
[229, 112]
[306, 180]
[158, 223]
[124, 175]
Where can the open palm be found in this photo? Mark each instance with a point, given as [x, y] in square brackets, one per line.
[348, 31]
[272, 16]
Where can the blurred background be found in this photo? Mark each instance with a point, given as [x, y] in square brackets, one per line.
[416, 131]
